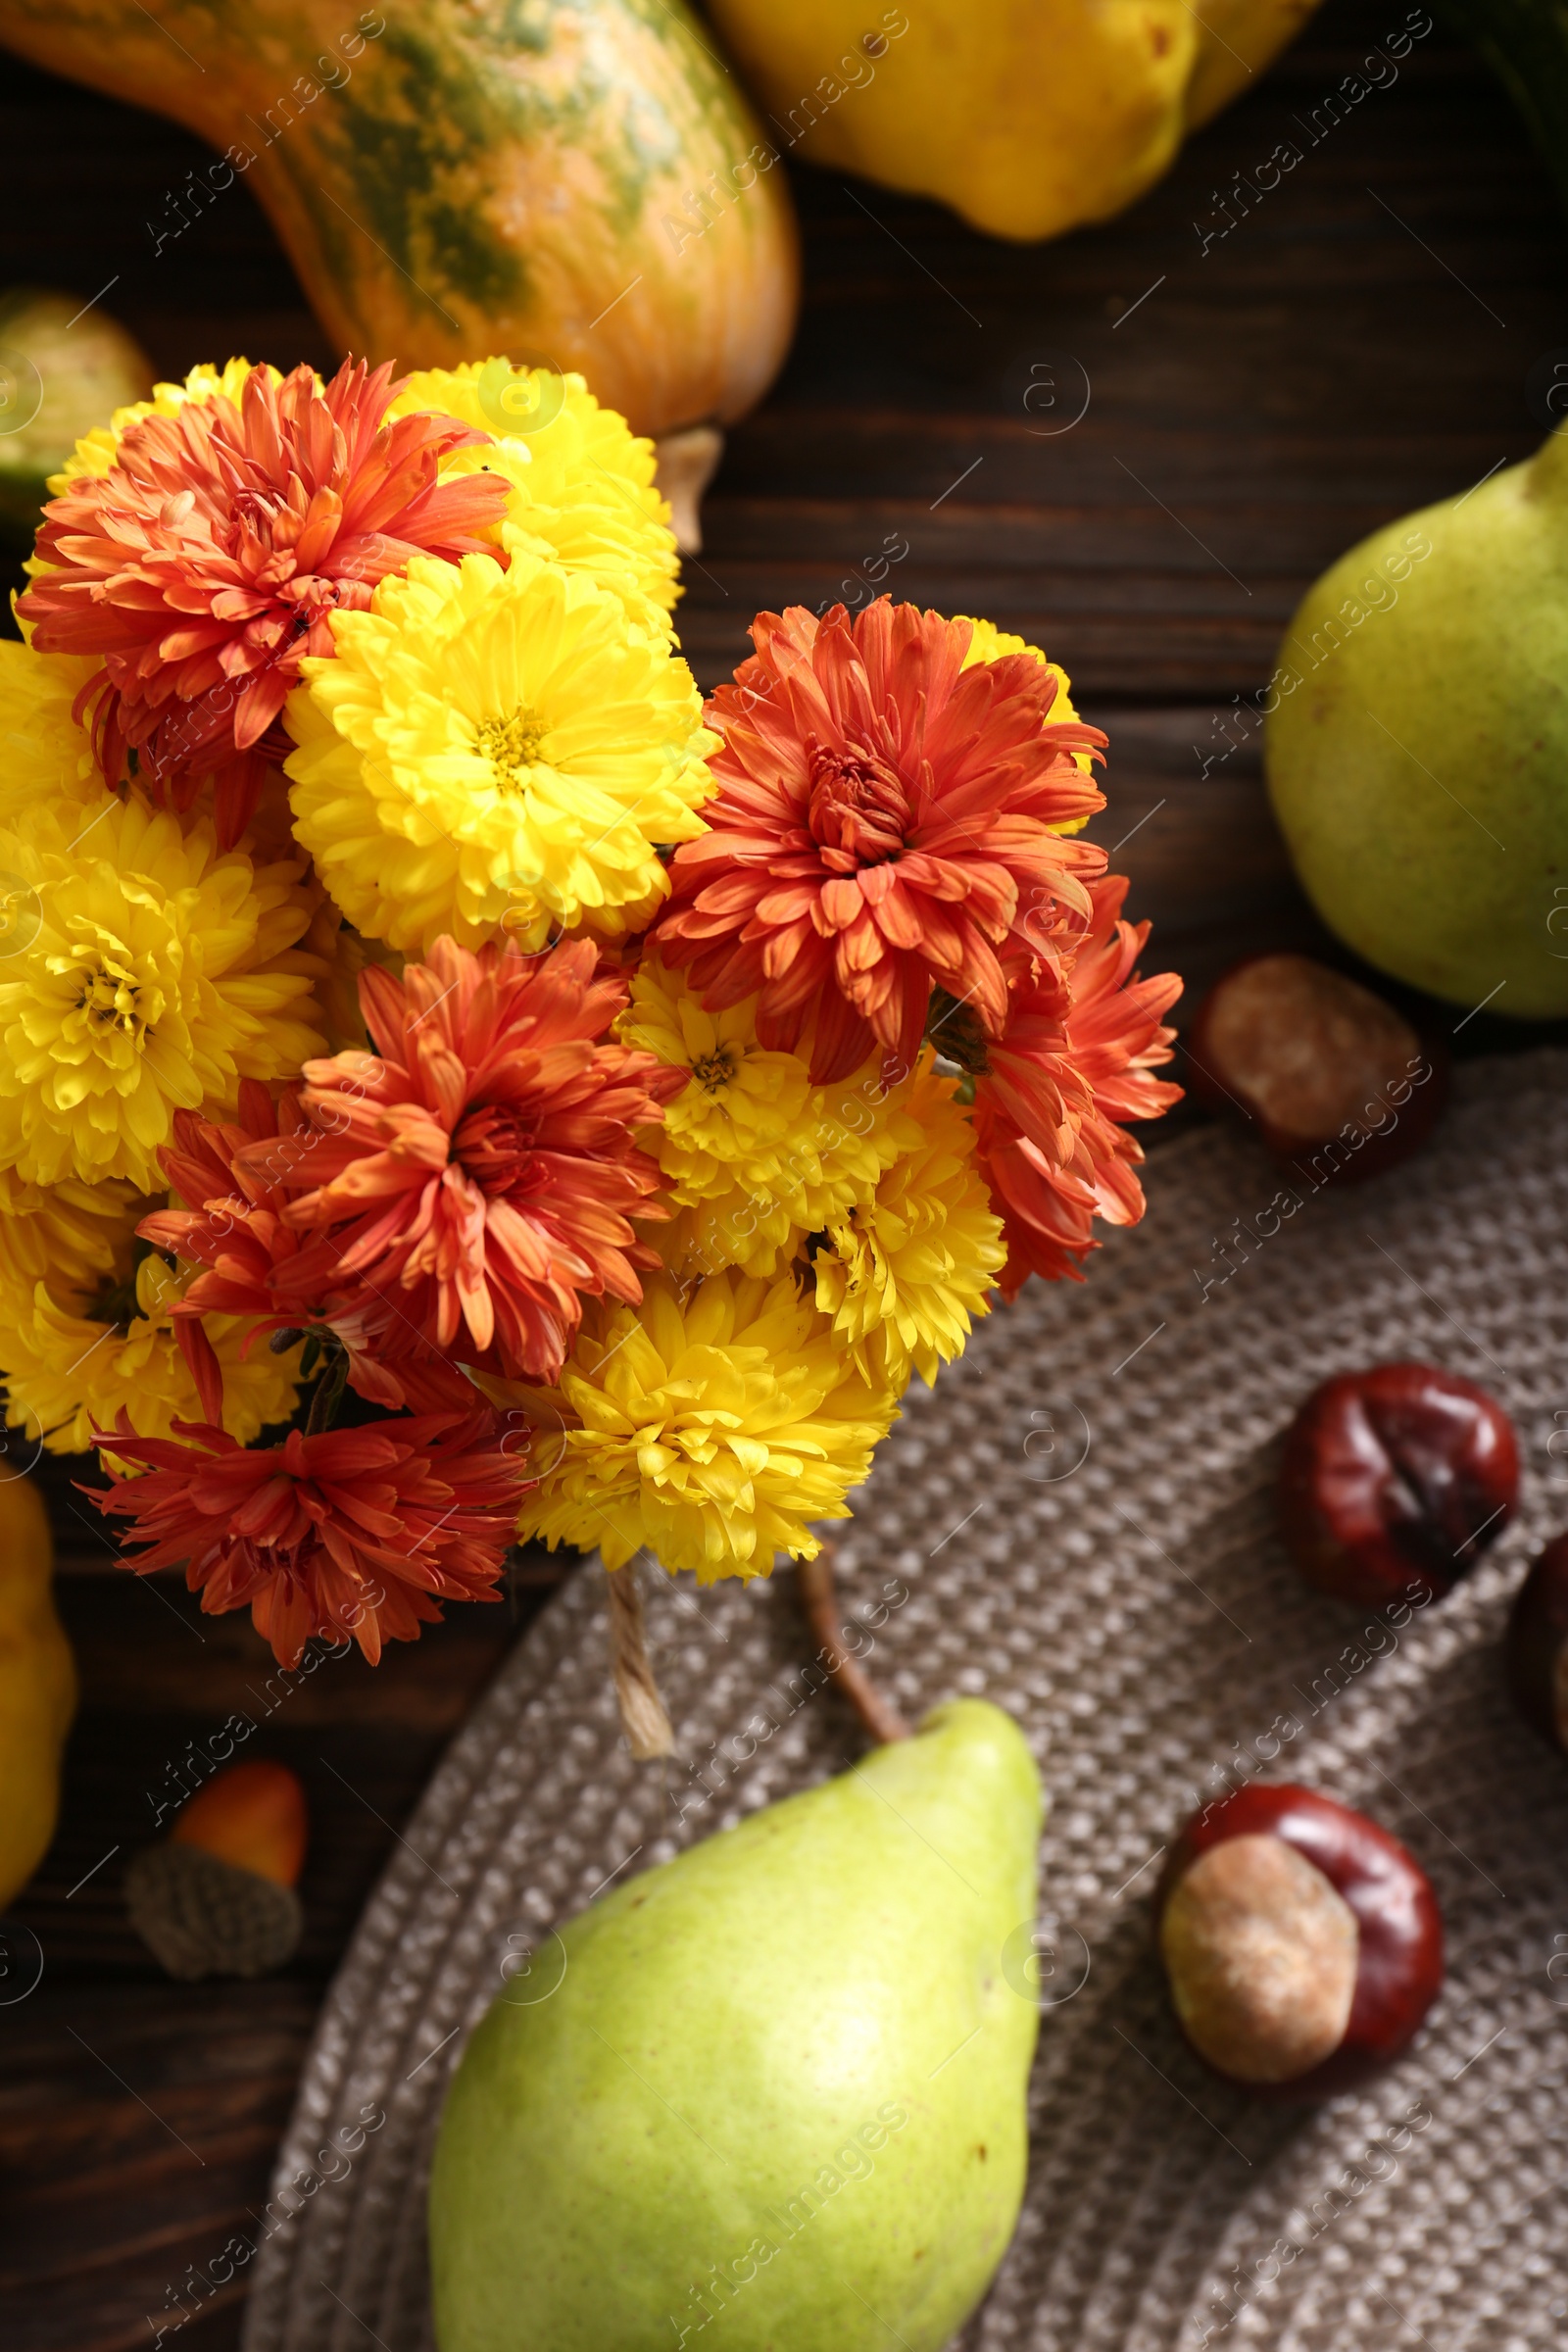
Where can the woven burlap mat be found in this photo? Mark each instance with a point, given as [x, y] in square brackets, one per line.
[1080, 1518]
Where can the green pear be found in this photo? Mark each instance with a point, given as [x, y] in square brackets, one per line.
[65, 366]
[1417, 743]
[775, 2087]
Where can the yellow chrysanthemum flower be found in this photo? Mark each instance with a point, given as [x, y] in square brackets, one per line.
[989, 644]
[337, 957]
[74, 1357]
[330, 949]
[756, 1156]
[582, 490]
[44, 756]
[141, 973]
[95, 452]
[903, 1275]
[65, 1234]
[494, 754]
[712, 1423]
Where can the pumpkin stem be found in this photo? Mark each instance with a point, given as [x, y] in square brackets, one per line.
[685, 464]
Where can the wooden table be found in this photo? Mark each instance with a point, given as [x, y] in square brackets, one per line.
[1356, 347]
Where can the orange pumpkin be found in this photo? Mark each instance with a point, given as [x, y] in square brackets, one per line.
[576, 184]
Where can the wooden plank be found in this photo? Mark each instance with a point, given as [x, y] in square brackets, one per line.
[163, 1692]
[151, 2152]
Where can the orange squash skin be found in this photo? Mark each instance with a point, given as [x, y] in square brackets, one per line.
[576, 184]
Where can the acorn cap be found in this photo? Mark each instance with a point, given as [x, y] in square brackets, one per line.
[251, 1815]
[201, 1917]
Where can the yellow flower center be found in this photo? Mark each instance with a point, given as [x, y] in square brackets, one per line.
[714, 1071]
[513, 743]
[111, 1000]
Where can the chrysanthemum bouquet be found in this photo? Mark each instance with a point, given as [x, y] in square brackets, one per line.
[454, 1090]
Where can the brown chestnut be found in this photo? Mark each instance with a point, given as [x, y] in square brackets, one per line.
[1302, 1944]
[1339, 1084]
[1537, 1649]
[1394, 1480]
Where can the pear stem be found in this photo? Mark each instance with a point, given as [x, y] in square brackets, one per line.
[642, 1710]
[813, 1582]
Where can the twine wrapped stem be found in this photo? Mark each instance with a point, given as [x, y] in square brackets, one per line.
[642, 1710]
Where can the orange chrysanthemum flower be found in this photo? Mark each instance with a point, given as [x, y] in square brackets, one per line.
[1077, 1058]
[883, 825]
[206, 563]
[478, 1171]
[229, 1178]
[354, 1532]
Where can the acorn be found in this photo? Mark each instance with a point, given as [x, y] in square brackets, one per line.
[216, 1899]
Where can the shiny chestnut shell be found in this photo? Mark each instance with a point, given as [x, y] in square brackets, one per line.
[1393, 1481]
[1339, 1084]
[1399, 1959]
[1536, 1647]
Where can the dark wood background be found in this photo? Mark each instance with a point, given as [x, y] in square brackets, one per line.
[1356, 347]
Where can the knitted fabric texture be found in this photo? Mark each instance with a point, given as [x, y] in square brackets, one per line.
[1079, 1520]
